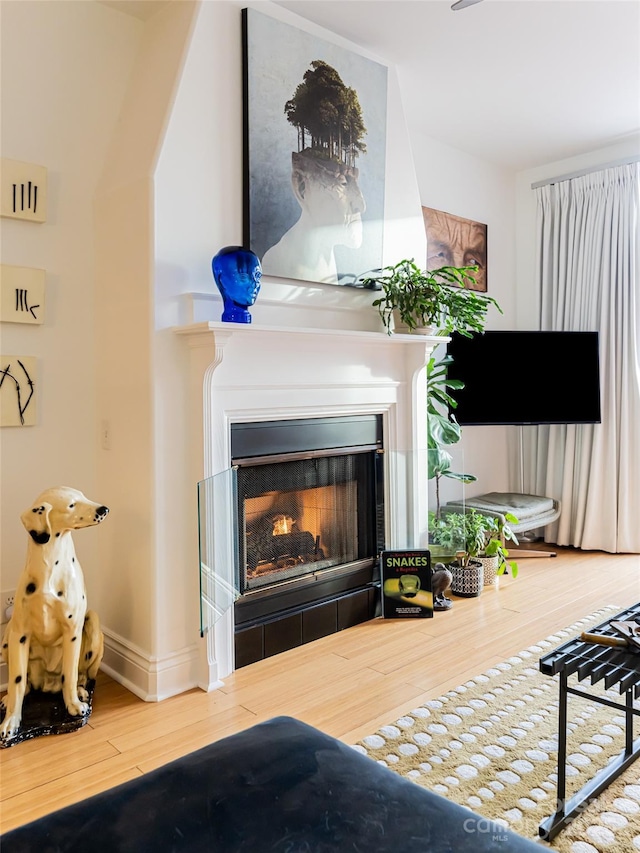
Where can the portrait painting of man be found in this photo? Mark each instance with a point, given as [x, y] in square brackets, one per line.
[456, 242]
[315, 146]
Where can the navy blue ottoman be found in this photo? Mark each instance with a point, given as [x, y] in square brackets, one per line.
[279, 786]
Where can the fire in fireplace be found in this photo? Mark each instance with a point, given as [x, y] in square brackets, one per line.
[293, 526]
[274, 547]
[310, 518]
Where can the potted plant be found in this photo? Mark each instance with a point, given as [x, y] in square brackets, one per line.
[437, 301]
[475, 537]
[494, 552]
[463, 533]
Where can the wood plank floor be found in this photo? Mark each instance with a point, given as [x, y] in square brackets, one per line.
[347, 684]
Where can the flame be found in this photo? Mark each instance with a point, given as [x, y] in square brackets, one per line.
[282, 524]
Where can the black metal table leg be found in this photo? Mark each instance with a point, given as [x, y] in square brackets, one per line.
[550, 827]
[567, 810]
[577, 804]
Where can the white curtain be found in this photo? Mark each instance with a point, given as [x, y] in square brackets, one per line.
[589, 266]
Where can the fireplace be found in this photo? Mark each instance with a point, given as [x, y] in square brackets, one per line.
[238, 388]
[310, 527]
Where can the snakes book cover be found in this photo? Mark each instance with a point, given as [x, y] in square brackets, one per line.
[406, 584]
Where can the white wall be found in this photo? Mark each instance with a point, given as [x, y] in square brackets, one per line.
[65, 68]
[458, 183]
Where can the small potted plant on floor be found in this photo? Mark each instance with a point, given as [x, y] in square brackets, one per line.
[463, 533]
[494, 553]
[435, 302]
[478, 542]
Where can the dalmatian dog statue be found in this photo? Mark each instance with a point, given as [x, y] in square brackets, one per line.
[52, 642]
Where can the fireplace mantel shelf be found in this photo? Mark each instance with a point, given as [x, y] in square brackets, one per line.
[201, 333]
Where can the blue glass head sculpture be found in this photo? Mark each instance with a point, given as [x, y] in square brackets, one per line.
[237, 274]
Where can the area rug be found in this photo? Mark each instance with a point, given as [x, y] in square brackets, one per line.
[491, 745]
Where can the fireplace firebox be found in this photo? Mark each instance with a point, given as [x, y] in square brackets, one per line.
[310, 522]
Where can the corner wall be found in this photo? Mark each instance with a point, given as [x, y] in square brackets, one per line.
[140, 648]
[65, 69]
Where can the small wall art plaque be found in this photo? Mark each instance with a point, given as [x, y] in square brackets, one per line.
[17, 390]
[23, 190]
[21, 294]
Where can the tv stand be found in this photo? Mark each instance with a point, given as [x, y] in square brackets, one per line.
[522, 553]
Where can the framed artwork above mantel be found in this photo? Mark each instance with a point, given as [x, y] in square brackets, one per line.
[315, 123]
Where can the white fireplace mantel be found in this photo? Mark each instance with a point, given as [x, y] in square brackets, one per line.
[247, 373]
[201, 334]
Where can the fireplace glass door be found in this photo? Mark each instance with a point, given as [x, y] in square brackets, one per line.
[291, 533]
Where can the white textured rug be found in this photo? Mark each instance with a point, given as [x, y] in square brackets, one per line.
[491, 745]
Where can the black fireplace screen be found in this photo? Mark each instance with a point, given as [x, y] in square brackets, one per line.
[305, 515]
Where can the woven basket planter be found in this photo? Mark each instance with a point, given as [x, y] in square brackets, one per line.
[490, 569]
[468, 580]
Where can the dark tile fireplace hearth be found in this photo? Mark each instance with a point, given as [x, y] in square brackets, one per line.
[310, 521]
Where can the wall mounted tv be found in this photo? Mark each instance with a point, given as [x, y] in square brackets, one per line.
[526, 378]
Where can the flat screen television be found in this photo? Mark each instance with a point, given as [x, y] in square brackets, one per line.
[526, 378]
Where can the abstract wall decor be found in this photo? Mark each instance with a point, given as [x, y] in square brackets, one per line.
[17, 390]
[456, 242]
[23, 190]
[21, 294]
[315, 119]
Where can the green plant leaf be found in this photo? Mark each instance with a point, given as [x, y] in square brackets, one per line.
[442, 431]
[438, 462]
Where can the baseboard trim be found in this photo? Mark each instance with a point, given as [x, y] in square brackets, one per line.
[150, 678]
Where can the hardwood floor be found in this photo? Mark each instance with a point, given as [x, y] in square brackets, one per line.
[347, 684]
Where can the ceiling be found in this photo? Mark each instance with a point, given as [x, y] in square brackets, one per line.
[516, 82]
[519, 83]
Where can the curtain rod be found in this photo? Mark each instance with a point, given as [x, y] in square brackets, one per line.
[623, 162]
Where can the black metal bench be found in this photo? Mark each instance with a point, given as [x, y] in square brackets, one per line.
[617, 668]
